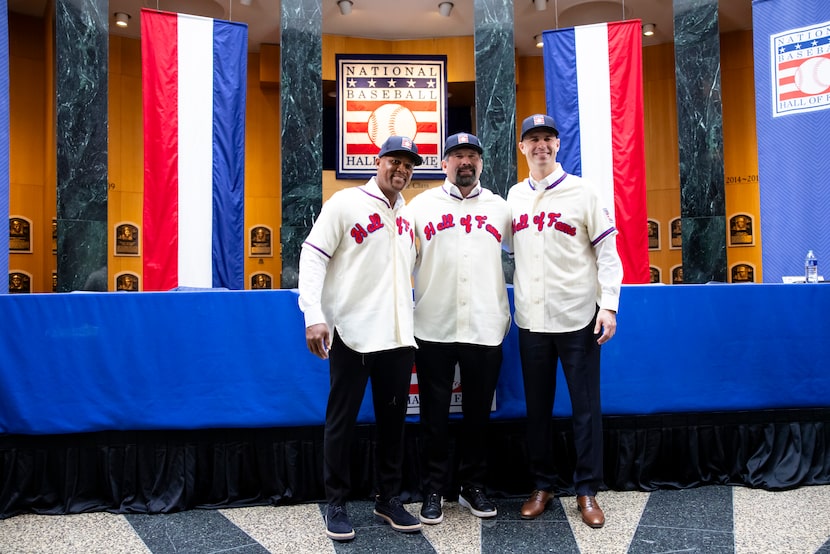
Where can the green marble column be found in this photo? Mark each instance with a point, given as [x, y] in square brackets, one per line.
[301, 111]
[700, 139]
[81, 57]
[496, 92]
[496, 97]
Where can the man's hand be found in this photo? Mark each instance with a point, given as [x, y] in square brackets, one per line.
[607, 323]
[317, 339]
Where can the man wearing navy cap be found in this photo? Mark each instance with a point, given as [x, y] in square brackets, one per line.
[461, 317]
[356, 296]
[566, 291]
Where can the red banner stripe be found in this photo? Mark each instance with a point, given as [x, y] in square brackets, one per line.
[412, 105]
[795, 63]
[371, 149]
[363, 127]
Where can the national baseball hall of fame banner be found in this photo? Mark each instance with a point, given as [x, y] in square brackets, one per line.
[383, 95]
[792, 103]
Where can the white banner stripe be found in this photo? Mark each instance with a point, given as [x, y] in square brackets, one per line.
[593, 83]
[195, 150]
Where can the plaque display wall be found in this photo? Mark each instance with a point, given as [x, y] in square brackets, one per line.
[654, 274]
[677, 275]
[740, 230]
[676, 232]
[20, 235]
[126, 239]
[126, 282]
[260, 281]
[261, 242]
[20, 282]
[743, 273]
[653, 234]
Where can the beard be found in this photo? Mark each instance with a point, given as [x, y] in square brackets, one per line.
[466, 179]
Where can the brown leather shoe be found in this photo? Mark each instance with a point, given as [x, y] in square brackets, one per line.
[592, 514]
[536, 504]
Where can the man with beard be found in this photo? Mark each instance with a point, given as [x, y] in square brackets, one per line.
[567, 288]
[356, 296]
[461, 317]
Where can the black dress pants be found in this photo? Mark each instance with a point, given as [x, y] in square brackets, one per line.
[390, 371]
[480, 366]
[580, 356]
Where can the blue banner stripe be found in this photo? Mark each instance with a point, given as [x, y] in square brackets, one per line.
[4, 140]
[230, 44]
[562, 94]
[792, 147]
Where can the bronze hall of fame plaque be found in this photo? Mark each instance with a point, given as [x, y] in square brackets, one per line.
[126, 240]
[653, 234]
[676, 230]
[677, 275]
[54, 235]
[127, 282]
[260, 241]
[260, 281]
[20, 235]
[740, 230]
[19, 283]
[743, 273]
[654, 274]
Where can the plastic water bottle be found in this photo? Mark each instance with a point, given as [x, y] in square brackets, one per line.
[811, 268]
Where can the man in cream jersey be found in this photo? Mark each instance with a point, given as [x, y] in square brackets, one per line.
[461, 317]
[567, 289]
[356, 295]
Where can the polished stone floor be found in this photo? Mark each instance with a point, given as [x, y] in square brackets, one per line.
[710, 519]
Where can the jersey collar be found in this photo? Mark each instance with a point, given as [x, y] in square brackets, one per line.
[549, 181]
[453, 191]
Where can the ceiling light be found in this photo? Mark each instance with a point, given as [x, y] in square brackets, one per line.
[445, 8]
[245, 2]
[538, 41]
[648, 29]
[345, 6]
[541, 5]
[122, 19]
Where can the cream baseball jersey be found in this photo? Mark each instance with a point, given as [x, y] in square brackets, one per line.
[564, 243]
[460, 293]
[355, 270]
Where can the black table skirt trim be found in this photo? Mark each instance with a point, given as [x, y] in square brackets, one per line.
[169, 471]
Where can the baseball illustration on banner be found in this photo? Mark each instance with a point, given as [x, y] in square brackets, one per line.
[391, 120]
[813, 76]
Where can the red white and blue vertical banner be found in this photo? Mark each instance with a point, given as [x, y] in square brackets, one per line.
[194, 72]
[594, 92]
[792, 104]
[383, 95]
[4, 141]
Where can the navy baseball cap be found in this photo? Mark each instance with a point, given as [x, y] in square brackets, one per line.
[462, 140]
[539, 121]
[403, 144]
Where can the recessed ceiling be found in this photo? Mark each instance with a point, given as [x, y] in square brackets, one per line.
[388, 20]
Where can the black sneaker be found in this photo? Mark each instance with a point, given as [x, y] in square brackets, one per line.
[431, 509]
[393, 512]
[338, 526]
[477, 502]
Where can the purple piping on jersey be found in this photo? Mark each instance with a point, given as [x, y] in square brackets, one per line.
[452, 195]
[559, 180]
[602, 236]
[382, 199]
[317, 249]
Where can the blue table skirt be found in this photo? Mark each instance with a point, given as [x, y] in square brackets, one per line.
[82, 362]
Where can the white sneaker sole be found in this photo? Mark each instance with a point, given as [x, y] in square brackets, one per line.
[398, 527]
[478, 513]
